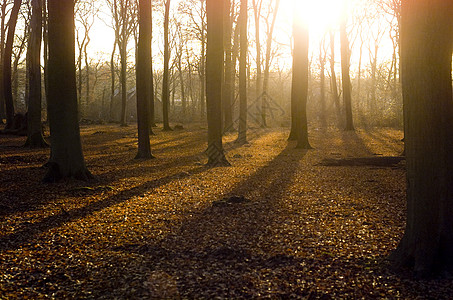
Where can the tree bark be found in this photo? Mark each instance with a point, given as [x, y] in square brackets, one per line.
[333, 79]
[267, 62]
[166, 75]
[112, 81]
[345, 77]
[242, 134]
[34, 128]
[426, 48]
[322, 83]
[299, 85]
[66, 159]
[227, 97]
[257, 4]
[7, 80]
[214, 71]
[123, 58]
[144, 77]
[2, 52]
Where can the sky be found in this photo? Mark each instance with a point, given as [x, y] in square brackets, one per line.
[320, 15]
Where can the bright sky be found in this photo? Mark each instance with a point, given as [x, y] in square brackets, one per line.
[320, 15]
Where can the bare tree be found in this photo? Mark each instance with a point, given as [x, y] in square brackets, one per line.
[242, 132]
[426, 59]
[333, 78]
[214, 70]
[2, 51]
[86, 12]
[143, 79]
[299, 86]
[257, 6]
[66, 158]
[124, 24]
[270, 24]
[346, 79]
[165, 80]
[34, 135]
[228, 82]
[7, 84]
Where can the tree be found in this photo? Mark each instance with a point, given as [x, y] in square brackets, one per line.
[124, 15]
[267, 62]
[144, 78]
[426, 59]
[242, 134]
[322, 81]
[333, 78]
[299, 85]
[196, 13]
[345, 77]
[35, 138]
[2, 42]
[227, 97]
[66, 158]
[214, 71]
[86, 12]
[165, 80]
[257, 5]
[7, 84]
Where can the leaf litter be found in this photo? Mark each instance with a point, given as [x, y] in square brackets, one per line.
[279, 223]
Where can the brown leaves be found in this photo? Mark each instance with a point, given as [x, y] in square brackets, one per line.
[171, 228]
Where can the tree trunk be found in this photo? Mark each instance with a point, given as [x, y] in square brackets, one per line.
[144, 77]
[322, 83]
[202, 69]
[299, 85]
[34, 134]
[345, 78]
[87, 74]
[214, 70]
[123, 54]
[426, 48]
[2, 52]
[112, 83]
[45, 48]
[227, 97]
[267, 62]
[259, 74]
[166, 79]
[7, 83]
[333, 79]
[242, 135]
[66, 159]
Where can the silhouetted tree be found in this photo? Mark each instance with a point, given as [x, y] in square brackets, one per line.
[166, 75]
[333, 79]
[2, 42]
[144, 78]
[7, 83]
[242, 134]
[426, 59]
[345, 77]
[66, 158]
[34, 128]
[228, 83]
[257, 6]
[214, 70]
[270, 24]
[299, 85]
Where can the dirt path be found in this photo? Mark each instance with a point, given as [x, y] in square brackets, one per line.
[278, 223]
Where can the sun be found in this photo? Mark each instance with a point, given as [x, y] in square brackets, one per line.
[320, 15]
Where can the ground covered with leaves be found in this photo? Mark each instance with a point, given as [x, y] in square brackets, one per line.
[279, 223]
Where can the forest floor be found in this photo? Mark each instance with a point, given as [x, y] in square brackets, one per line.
[279, 223]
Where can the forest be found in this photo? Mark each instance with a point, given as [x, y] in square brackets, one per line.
[226, 149]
